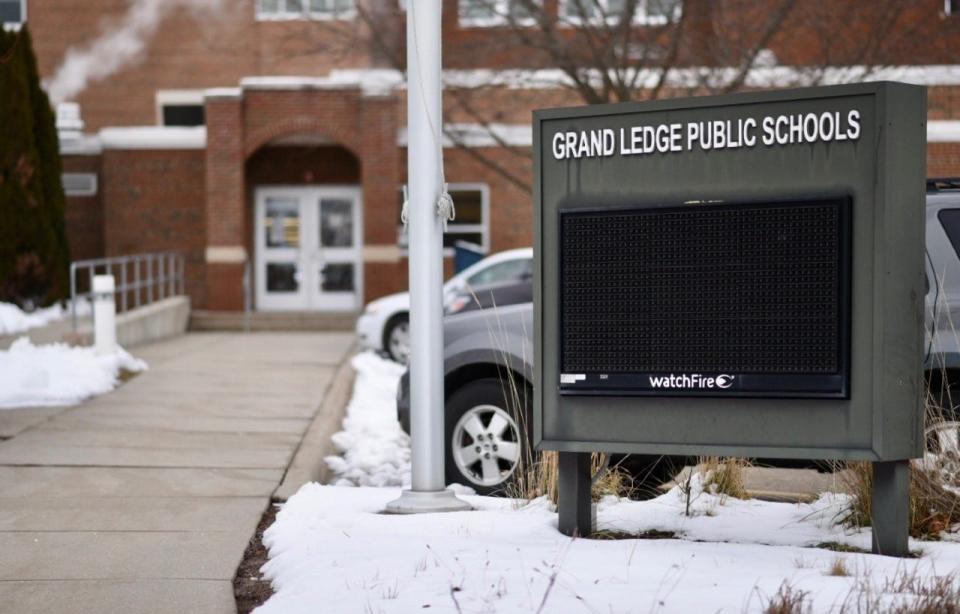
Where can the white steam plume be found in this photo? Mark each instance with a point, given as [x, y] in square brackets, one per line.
[120, 43]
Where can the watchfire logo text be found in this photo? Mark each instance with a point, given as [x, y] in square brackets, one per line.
[694, 380]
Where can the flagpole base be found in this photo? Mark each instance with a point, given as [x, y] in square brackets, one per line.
[427, 502]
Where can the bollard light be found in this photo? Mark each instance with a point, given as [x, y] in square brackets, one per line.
[104, 315]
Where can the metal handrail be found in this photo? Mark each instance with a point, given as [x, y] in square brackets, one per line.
[160, 271]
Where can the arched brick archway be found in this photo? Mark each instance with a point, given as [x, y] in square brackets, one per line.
[301, 127]
[239, 123]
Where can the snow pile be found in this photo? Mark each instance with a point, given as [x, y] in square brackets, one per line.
[331, 549]
[15, 320]
[376, 451]
[57, 374]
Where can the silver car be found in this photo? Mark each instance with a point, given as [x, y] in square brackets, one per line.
[488, 364]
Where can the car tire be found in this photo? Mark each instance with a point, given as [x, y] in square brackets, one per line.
[396, 338]
[487, 437]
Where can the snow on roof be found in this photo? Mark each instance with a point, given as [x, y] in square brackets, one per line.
[478, 135]
[758, 77]
[943, 131]
[82, 145]
[154, 137]
[456, 135]
[223, 92]
[373, 82]
[378, 81]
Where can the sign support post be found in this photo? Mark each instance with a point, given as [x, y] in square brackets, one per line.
[890, 508]
[577, 514]
[425, 164]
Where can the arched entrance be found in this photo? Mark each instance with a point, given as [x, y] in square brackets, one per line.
[307, 242]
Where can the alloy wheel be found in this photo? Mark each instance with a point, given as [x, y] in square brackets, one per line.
[486, 445]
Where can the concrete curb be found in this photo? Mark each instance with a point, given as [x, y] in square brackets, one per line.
[780, 485]
[307, 464]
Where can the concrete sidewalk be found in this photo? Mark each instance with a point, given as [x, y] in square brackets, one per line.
[144, 499]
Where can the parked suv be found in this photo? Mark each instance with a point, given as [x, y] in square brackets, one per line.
[488, 363]
[942, 360]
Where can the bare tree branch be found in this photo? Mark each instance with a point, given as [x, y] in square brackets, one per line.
[633, 53]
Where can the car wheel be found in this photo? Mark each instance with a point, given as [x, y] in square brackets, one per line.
[486, 436]
[396, 338]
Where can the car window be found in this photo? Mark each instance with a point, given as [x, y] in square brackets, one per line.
[950, 219]
[502, 271]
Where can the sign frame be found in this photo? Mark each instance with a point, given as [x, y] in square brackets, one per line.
[882, 170]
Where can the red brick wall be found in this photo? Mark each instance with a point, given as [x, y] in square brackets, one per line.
[383, 278]
[511, 207]
[943, 160]
[191, 50]
[943, 102]
[154, 201]
[146, 192]
[84, 214]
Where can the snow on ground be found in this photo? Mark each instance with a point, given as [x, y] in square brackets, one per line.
[58, 374]
[376, 451]
[331, 549]
[15, 320]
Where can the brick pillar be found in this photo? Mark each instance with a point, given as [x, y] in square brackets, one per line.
[226, 253]
[384, 270]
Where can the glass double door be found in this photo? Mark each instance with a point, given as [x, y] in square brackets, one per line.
[308, 243]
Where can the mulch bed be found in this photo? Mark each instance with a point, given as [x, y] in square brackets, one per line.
[250, 590]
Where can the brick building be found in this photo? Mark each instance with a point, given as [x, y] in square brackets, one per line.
[268, 135]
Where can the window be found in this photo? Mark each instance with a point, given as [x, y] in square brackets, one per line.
[183, 115]
[950, 219]
[646, 12]
[471, 201]
[180, 108]
[485, 13]
[507, 270]
[951, 7]
[80, 184]
[13, 12]
[305, 9]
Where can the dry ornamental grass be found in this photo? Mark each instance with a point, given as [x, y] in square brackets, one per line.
[934, 484]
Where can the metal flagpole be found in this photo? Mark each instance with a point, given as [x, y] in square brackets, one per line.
[425, 180]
